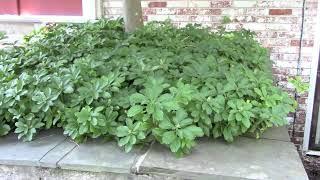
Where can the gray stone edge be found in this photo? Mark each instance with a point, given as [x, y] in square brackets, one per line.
[190, 175]
[45, 164]
[35, 163]
[186, 174]
[92, 168]
[139, 169]
[136, 167]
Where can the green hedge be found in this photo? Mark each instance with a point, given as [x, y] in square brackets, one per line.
[159, 83]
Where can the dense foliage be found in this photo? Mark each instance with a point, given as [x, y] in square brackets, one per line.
[159, 83]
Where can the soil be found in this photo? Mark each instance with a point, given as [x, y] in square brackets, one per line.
[312, 166]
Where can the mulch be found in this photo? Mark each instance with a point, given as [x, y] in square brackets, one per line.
[312, 166]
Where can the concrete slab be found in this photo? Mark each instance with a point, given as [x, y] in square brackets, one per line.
[271, 157]
[99, 156]
[275, 133]
[14, 152]
[34, 173]
[55, 155]
[246, 158]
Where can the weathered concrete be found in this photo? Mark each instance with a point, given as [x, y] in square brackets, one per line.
[277, 133]
[53, 156]
[36, 173]
[14, 152]
[245, 158]
[99, 156]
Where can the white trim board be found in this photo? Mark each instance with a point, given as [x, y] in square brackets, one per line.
[313, 153]
[89, 12]
[312, 86]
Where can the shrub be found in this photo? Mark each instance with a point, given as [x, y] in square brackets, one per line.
[2, 35]
[159, 83]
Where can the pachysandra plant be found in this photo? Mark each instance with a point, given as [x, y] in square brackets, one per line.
[159, 83]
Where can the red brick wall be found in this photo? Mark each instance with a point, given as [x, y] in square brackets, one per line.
[276, 22]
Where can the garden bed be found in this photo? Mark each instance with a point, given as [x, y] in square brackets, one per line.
[160, 83]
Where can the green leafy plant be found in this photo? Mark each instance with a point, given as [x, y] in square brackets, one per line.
[159, 83]
[226, 20]
[178, 132]
[299, 85]
[130, 134]
[2, 35]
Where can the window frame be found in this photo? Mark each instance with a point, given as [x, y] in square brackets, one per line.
[89, 12]
[309, 123]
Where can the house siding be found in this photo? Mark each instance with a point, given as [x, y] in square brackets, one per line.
[276, 23]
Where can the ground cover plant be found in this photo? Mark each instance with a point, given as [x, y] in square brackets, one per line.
[161, 83]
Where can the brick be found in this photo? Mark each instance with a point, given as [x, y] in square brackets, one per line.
[202, 18]
[195, 11]
[267, 42]
[220, 4]
[277, 70]
[285, 49]
[158, 17]
[199, 4]
[305, 43]
[145, 18]
[177, 4]
[299, 127]
[300, 119]
[214, 12]
[307, 50]
[148, 11]
[245, 19]
[144, 4]
[112, 4]
[247, 4]
[290, 34]
[266, 34]
[297, 140]
[298, 133]
[245, 11]
[157, 4]
[281, 77]
[254, 26]
[113, 16]
[280, 11]
[277, 19]
[312, 5]
[280, 4]
[113, 11]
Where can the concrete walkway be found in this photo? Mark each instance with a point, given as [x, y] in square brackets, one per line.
[54, 156]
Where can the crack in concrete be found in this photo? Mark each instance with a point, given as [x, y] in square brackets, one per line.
[76, 145]
[51, 150]
[139, 160]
